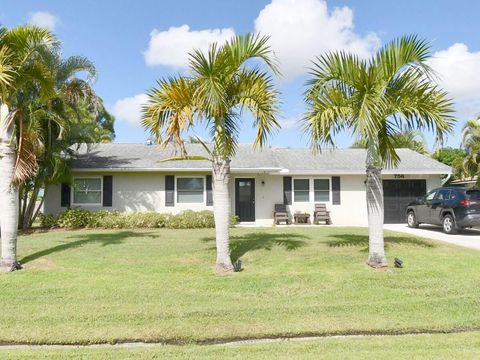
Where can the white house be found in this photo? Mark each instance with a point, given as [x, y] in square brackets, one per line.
[132, 177]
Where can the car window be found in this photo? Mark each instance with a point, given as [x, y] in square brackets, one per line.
[454, 195]
[443, 194]
[431, 195]
[473, 194]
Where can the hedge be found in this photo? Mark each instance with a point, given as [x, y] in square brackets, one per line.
[104, 219]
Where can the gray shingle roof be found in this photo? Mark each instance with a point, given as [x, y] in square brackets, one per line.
[140, 157]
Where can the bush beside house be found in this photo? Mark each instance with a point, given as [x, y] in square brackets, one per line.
[81, 218]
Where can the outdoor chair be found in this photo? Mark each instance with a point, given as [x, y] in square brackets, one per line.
[321, 214]
[281, 214]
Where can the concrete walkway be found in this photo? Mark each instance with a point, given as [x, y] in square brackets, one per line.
[467, 238]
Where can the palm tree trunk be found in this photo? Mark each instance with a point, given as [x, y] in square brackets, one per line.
[374, 190]
[221, 211]
[8, 199]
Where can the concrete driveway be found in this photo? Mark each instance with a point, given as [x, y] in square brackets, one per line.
[467, 238]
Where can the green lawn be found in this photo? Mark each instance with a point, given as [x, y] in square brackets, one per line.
[452, 346]
[107, 286]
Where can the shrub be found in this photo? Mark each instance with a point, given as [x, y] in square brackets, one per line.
[80, 218]
[233, 220]
[103, 219]
[47, 221]
[144, 220]
[74, 218]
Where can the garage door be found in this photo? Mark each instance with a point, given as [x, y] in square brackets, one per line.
[397, 194]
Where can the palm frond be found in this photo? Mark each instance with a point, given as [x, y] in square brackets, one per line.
[170, 110]
[376, 99]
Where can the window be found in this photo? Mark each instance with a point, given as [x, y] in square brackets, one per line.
[189, 190]
[443, 194]
[322, 190]
[430, 195]
[301, 190]
[87, 191]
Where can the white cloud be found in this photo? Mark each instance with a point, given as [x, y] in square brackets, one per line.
[43, 19]
[300, 30]
[458, 70]
[288, 123]
[129, 109]
[171, 47]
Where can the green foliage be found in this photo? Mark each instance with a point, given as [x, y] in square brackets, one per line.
[413, 140]
[47, 221]
[74, 218]
[449, 155]
[221, 85]
[376, 98]
[104, 219]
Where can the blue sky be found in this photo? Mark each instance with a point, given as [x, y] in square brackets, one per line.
[133, 43]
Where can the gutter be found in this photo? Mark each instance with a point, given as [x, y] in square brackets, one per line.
[135, 170]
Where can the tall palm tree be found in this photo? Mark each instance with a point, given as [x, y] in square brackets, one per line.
[22, 73]
[413, 140]
[221, 84]
[469, 166]
[375, 99]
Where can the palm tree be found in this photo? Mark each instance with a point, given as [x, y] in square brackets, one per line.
[73, 114]
[413, 140]
[469, 165]
[22, 73]
[221, 84]
[375, 99]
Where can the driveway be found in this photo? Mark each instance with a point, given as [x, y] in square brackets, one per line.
[467, 238]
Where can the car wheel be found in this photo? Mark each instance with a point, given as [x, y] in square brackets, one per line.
[412, 220]
[449, 226]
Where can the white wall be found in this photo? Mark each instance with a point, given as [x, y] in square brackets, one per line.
[145, 192]
[131, 192]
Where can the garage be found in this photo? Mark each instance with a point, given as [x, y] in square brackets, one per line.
[397, 194]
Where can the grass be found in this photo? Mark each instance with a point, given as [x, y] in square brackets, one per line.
[84, 287]
[439, 346]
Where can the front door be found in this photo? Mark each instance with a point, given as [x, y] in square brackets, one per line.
[245, 199]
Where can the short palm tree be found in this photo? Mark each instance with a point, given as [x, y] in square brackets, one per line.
[23, 72]
[375, 99]
[220, 85]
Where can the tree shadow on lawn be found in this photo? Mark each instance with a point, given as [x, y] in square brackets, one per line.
[344, 240]
[240, 245]
[83, 239]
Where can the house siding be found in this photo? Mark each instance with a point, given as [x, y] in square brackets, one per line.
[146, 192]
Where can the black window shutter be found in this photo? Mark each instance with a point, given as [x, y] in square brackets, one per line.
[209, 190]
[287, 190]
[65, 196]
[107, 190]
[169, 190]
[336, 190]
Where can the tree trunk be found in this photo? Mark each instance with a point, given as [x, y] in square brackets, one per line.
[30, 205]
[8, 197]
[374, 190]
[221, 211]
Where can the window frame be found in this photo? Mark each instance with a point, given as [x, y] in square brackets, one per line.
[72, 190]
[204, 191]
[309, 190]
[329, 190]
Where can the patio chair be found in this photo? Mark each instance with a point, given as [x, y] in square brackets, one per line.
[321, 214]
[280, 214]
